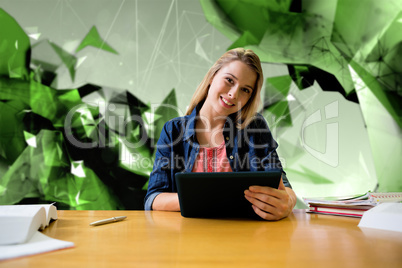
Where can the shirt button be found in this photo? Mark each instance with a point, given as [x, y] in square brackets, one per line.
[227, 138]
[231, 157]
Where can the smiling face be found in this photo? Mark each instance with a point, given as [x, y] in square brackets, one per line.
[230, 88]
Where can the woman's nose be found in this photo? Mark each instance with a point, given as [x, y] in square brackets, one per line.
[234, 92]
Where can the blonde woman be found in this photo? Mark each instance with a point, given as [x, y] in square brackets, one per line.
[222, 132]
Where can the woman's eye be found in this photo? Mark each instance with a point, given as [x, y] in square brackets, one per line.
[230, 80]
[246, 90]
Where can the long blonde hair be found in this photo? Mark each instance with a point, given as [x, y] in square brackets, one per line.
[248, 57]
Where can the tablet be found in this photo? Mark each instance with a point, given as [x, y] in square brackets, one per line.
[220, 194]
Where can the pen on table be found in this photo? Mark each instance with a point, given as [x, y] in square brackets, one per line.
[114, 219]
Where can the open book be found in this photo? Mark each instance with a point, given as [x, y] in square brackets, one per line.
[353, 206]
[18, 223]
[19, 231]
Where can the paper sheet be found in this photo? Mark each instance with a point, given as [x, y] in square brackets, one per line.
[39, 243]
[385, 216]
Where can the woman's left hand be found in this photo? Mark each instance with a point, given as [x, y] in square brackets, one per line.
[270, 203]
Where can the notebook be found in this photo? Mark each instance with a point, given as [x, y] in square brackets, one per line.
[220, 194]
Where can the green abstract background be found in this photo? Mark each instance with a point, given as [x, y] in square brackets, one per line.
[86, 86]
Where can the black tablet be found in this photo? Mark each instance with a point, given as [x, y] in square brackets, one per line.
[220, 194]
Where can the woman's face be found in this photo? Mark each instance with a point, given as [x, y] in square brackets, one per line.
[231, 88]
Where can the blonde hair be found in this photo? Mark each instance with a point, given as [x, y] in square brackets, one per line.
[248, 57]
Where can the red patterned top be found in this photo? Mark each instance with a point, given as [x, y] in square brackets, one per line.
[212, 160]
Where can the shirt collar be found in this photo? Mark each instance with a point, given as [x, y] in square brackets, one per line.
[190, 128]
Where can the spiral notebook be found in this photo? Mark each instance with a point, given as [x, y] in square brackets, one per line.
[385, 197]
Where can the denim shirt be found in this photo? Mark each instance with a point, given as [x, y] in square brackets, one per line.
[250, 149]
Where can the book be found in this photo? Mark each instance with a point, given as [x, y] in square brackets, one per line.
[18, 223]
[20, 227]
[353, 206]
[341, 211]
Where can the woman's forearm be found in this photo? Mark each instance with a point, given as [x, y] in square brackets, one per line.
[166, 202]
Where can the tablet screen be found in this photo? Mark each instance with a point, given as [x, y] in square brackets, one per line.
[220, 194]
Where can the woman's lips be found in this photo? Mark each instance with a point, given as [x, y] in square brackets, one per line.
[226, 102]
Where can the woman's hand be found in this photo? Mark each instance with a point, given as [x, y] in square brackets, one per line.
[270, 203]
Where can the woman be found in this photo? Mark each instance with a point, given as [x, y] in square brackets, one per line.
[221, 132]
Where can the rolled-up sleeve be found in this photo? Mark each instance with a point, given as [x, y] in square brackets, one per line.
[159, 180]
[149, 200]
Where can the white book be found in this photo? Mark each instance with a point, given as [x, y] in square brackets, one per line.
[18, 223]
[19, 230]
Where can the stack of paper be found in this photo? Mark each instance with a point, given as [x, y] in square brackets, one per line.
[353, 206]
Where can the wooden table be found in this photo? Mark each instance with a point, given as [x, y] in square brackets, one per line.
[166, 239]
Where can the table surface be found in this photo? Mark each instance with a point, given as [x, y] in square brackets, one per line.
[166, 239]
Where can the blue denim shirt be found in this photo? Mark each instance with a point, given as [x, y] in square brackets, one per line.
[249, 149]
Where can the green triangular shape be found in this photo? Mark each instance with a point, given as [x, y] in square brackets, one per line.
[276, 89]
[281, 113]
[392, 106]
[93, 39]
[247, 38]
[68, 59]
